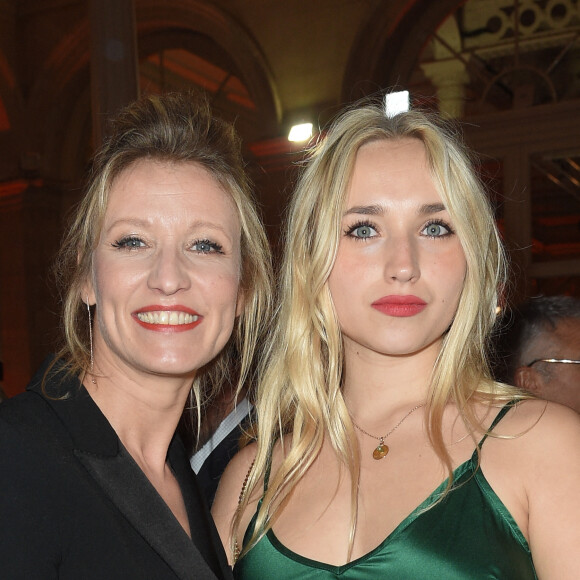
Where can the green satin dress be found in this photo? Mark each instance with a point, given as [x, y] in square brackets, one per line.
[469, 535]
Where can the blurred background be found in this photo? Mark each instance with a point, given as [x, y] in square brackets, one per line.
[509, 70]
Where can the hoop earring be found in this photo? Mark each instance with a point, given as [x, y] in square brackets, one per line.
[93, 380]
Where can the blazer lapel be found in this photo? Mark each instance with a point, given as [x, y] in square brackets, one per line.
[126, 486]
[97, 447]
[203, 531]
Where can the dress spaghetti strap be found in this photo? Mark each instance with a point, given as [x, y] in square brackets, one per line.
[502, 413]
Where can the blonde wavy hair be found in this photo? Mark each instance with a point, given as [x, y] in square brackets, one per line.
[300, 384]
[171, 128]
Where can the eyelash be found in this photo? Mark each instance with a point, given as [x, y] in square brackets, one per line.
[214, 247]
[127, 242]
[450, 230]
[124, 243]
[366, 224]
[360, 224]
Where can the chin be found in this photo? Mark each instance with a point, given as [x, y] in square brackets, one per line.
[402, 349]
[172, 367]
[175, 372]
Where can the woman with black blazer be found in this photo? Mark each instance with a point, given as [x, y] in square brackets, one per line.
[166, 279]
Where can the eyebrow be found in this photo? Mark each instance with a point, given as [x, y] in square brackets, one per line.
[430, 208]
[127, 221]
[365, 210]
[139, 223]
[425, 209]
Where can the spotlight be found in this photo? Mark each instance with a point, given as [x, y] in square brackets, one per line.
[396, 103]
[301, 132]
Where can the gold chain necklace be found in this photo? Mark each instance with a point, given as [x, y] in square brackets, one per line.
[381, 449]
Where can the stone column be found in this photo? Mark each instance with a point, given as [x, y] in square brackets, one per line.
[114, 59]
[449, 77]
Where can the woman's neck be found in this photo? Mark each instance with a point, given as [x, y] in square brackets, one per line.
[143, 410]
[375, 383]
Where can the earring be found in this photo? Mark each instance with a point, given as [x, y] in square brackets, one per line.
[93, 380]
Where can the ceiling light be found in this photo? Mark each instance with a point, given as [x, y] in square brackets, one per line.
[396, 103]
[301, 132]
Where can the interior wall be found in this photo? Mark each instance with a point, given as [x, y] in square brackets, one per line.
[299, 60]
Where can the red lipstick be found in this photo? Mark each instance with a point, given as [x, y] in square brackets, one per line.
[399, 306]
[175, 318]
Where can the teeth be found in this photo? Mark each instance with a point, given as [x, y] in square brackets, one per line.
[170, 317]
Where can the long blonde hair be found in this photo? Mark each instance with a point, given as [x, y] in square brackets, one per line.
[173, 128]
[300, 386]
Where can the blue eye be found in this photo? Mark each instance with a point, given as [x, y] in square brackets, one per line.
[361, 231]
[436, 230]
[207, 247]
[129, 242]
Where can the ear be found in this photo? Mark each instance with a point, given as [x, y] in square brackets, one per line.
[87, 287]
[529, 379]
[88, 292]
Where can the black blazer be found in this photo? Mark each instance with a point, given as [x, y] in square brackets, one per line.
[75, 505]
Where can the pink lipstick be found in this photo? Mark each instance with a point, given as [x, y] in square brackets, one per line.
[175, 318]
[399, 306]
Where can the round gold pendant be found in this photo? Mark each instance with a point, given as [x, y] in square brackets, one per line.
[380, 452]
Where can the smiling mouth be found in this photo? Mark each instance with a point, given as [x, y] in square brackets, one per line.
[167, 317]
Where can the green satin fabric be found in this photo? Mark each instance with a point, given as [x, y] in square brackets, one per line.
[469, 535]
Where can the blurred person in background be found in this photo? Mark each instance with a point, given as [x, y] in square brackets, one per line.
[539, 349]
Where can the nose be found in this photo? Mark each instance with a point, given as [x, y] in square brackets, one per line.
[169, 272]
[402, 260]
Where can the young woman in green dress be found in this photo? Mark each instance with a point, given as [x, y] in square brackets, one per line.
[383, 446]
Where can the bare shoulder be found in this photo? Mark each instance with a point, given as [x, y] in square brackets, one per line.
[546, 439]
[236, 472]
[541, 425]
[537, 470]
[536, 436]
[228, 493]
[232, 480]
